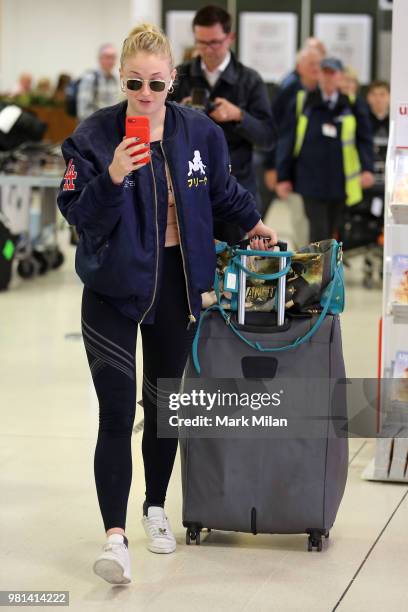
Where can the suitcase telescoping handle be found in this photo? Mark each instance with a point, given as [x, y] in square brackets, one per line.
[283, 246]
[245, 244]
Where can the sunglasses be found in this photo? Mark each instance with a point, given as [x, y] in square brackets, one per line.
[155, 85]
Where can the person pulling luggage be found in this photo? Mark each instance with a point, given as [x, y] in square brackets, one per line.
[145, 255]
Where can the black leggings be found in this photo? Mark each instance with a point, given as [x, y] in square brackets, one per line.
[110, 342]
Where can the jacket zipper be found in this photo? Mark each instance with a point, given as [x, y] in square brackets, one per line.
[157, 243]
[191, 317]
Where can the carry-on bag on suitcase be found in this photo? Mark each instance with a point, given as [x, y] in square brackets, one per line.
[263, 485]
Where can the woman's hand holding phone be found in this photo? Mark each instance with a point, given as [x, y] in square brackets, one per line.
[129, 155]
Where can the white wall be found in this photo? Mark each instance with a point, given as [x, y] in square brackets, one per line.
[146, 10]
[47, 37]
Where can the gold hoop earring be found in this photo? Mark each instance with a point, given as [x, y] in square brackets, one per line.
[170, 89]
[122, 86]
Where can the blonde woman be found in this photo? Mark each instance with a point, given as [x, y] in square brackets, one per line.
[145, 256]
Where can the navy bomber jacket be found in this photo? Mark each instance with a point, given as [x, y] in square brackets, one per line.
[122, 227]
[244, 87]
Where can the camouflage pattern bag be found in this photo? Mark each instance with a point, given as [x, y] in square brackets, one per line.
[311, 270]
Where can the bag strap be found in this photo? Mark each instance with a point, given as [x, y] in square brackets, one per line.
[197, 334]
[273, 276]
[250, 252]
[220, 247]
[237, 253]
[256, 345]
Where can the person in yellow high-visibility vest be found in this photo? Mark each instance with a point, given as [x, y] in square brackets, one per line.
[325, 152]
[308, 74]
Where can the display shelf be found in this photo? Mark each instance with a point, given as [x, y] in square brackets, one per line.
[399, 313]
[399, 213]
[390, 461]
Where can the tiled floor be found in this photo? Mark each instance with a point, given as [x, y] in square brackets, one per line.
[51, 528]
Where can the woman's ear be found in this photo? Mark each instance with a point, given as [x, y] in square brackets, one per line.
[121, 80]
[172, 79]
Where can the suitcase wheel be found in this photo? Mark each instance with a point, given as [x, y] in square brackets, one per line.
[315, 542]
[28, 267]
[41, 258]
[193, 534]
[58, 259]
[315, 539]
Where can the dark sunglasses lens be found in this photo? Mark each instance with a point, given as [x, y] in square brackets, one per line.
[134, 84]
[157, 85]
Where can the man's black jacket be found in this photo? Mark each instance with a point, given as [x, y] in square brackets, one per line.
[243, 87]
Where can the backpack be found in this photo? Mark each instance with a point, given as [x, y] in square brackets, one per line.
[71, 94]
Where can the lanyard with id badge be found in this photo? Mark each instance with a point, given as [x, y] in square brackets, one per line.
[329, 130]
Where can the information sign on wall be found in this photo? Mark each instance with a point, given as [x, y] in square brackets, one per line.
[348, 37]
[267, 42]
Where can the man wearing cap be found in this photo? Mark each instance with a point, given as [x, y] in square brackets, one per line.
[325, 152]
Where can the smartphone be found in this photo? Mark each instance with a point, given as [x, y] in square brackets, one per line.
[139, 127]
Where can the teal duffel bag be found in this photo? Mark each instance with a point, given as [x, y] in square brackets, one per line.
[314, 286]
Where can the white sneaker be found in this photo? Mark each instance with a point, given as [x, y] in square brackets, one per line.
[113, 564]
[158, 530]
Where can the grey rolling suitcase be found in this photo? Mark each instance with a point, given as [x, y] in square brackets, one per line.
[264, 485]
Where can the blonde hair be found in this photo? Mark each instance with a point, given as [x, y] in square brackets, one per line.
[147, 38]
[350, 72]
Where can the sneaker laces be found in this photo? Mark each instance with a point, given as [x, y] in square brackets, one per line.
[158, 526]
[113, 546]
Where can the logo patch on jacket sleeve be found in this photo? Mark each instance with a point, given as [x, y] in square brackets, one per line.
[70, 176]
[196, 167]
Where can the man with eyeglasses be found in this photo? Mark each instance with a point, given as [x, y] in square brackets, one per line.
[232, 94]
[99, 88]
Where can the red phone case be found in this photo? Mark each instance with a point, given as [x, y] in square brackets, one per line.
[139, 127]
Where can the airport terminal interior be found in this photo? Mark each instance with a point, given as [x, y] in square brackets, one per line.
[52, 527]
